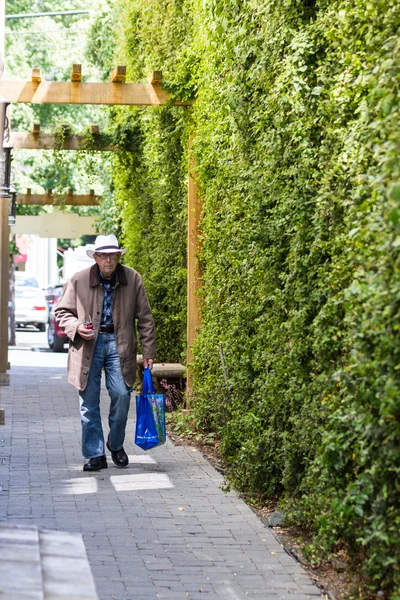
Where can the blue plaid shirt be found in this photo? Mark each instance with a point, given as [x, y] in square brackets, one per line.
[108, 286]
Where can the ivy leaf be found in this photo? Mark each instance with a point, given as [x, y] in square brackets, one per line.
[394, 216]
[387, 104]
[394, 192]
[387, 64]
[317, 90]
[353, 232]
[232, 102]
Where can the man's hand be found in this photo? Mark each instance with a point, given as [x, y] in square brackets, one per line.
[86, 334]
[148, 363]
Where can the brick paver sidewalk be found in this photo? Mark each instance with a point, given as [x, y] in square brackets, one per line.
[161, 528]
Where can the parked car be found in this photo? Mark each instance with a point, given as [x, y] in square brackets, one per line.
[53, 294]
[56, 337]
[26, 280]
[30, 307]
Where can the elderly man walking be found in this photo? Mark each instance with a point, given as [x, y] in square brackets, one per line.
[99, 312]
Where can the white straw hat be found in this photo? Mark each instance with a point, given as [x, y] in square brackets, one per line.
[106, 243]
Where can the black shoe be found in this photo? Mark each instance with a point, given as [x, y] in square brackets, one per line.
[96, 463]
[120, 457]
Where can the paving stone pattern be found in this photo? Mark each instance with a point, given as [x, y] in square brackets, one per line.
[160, 529]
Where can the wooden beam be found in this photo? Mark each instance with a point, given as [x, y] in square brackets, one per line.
[118, 74]
[76, 73]
[70, 199]
[67, 92]
[46, 141]
[55, 224]
[36, 76]
[156, 78]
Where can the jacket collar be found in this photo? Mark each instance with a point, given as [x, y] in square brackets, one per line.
[94, 275]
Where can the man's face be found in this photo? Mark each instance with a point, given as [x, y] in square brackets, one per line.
[107, 262]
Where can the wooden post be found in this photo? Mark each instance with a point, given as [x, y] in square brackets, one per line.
[76, 73]
[156, 78]
[4, 270]
[4, 251]
[36, 75]
[118, 74]
[193, 275]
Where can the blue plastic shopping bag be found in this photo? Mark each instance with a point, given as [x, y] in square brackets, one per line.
[150, 416]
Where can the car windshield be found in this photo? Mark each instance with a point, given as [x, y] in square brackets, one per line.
[22, 280]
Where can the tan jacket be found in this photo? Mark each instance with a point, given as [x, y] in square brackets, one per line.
[84, 297]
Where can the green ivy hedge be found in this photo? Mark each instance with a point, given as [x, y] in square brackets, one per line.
[296, 136]
[149, 200]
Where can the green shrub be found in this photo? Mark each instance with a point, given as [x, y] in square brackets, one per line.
[296, 135]
[150, 195]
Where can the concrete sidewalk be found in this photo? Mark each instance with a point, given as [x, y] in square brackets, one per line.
[161, 528]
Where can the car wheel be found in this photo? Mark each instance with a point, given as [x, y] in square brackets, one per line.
[42, 326]
[50, 336]
[58, 345]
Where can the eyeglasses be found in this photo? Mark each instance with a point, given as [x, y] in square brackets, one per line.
[104, 256]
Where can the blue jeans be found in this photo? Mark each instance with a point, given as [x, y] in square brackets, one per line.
[105, 357]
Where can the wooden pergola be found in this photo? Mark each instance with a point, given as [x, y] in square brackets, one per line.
[76, 91]
[68, 199]
[115, 92]
[38, 140]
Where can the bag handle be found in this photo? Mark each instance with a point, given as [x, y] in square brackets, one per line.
[148, 387]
